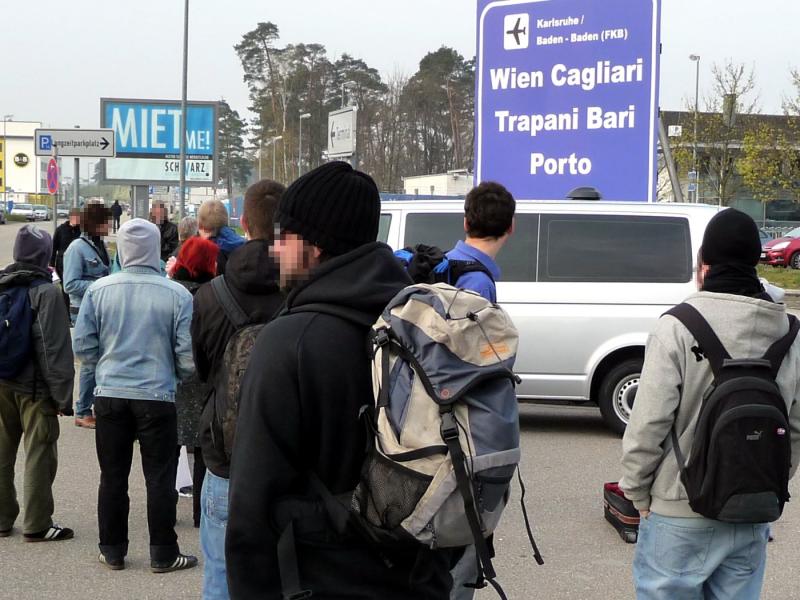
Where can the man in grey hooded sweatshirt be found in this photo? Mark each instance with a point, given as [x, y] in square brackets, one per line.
[133, 333]
[681, 554]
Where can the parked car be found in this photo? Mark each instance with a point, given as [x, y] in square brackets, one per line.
[783, 251]
[42, 212]
[23, 210]
[584, 282]
[765, 237]
[62, 211]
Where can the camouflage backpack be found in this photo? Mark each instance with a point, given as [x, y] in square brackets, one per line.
[234, 364]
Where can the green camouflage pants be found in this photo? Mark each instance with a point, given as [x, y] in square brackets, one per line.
[37, 419]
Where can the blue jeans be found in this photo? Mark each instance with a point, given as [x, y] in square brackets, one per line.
[213, 522]
[465, 571]
[699, 559]
[83, 407]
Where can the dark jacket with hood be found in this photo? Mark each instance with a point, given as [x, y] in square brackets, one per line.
[65, 234]
[53, 362]
[252, 280]
[169, 238]
[309, 375]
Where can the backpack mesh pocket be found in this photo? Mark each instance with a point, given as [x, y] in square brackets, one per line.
[388, 493]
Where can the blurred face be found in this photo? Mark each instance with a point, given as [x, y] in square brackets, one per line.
[74, 220]
[159, 213]
[103, 229]
[295, 258]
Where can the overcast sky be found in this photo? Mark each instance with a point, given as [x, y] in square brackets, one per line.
[60, 57]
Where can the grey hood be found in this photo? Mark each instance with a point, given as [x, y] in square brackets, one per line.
[139, 245]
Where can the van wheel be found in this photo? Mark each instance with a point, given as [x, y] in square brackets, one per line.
[794, 261]
[618, 392]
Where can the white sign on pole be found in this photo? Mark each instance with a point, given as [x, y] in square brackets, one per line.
[78, 143]
[342, 132]
[675, 131]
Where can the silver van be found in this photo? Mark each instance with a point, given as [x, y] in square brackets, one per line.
[584, 283]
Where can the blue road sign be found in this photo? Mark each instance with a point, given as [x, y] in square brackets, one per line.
[566, 96]
[46, 143]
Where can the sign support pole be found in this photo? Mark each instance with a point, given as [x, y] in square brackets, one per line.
[673, 172]
[182, 184]
[76, 183]
[141, 202]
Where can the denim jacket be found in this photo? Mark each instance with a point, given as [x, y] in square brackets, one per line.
[82, 267]
[133, 331]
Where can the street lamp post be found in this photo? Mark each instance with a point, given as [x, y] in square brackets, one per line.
[303, 117]
[6, 118]
[274, 152]
[696, 59]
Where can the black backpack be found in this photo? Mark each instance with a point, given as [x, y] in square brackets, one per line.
[738, 470]
[16, 320]
[234, 364]
[429, 264]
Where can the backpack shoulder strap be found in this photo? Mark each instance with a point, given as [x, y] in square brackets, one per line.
[777, 351]
[697, 325]
[233, 310]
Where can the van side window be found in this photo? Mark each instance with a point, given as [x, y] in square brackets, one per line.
[434, 229]
[609, 248]
[517, 259]
[383, 227]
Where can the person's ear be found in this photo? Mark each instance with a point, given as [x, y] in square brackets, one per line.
[243, 222]
[513, 226]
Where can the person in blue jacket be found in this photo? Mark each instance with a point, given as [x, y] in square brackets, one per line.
[212, 224]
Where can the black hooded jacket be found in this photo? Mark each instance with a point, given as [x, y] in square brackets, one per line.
[252, 280]
[308, 376]
[64, 236]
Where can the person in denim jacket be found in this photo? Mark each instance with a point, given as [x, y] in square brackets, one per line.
[133, 333]
[85, 261]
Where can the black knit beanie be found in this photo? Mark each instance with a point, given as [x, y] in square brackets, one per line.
[334, 207]
[731, 237]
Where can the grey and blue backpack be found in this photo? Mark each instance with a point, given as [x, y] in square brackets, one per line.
[445, 423]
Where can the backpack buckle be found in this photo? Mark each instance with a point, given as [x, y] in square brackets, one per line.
[449, 427]
[381, 337]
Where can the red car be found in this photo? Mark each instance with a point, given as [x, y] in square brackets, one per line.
[783, 251]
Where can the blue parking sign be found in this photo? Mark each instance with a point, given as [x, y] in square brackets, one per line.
[566, 96]
[45, 142]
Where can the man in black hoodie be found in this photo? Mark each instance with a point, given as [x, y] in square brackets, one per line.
[252, 281]
[308, 377]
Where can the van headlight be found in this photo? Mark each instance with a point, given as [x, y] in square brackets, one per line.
[780, 246]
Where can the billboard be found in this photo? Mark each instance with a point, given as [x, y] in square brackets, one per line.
[342, 132]
[148, 141]
[566, 96]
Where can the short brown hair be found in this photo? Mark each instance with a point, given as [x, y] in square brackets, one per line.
[489, 210]
[212, 216]
[260, 202]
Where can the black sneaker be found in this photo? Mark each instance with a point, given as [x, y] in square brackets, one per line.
[115, 564]
[51, 534]
[186, 492]
[181, 562]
